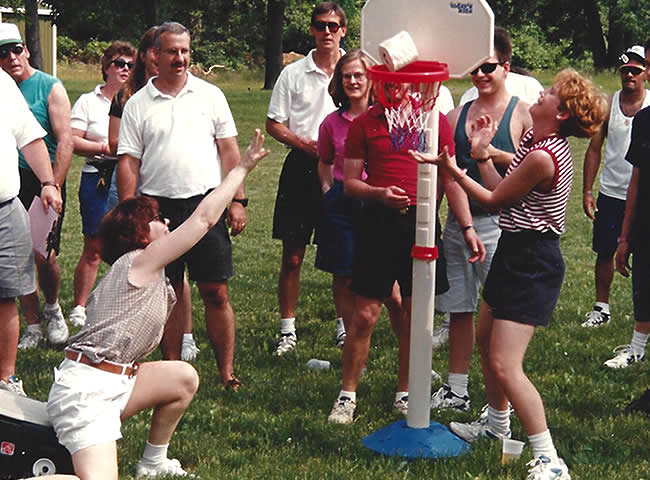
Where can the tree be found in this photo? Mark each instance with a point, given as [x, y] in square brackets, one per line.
[273, 43]
[32, 34]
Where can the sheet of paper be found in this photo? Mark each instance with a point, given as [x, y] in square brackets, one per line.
[43, 225]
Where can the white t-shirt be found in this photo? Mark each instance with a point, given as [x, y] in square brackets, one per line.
[616, 173]
[300, 97]
[175, 137]
[90, 114]
[522, 86]
[18, 128]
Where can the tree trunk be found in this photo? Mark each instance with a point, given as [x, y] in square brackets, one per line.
[273, 45]
[32, 34]
[152, 12]
[595, 35]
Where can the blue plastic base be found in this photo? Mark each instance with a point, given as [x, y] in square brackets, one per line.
[400, 440]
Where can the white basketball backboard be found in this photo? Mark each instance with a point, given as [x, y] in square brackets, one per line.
[459, 33]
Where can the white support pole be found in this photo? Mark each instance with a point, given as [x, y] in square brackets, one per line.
[422, 301]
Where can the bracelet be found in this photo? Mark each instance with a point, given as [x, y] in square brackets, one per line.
[49, 183]
[587, 192]
[464, 229]
[481, 160]
[242, 201]
[621, 239]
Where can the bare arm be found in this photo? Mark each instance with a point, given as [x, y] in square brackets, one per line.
[128, 169]
[229, 154]
[113, 133]
[38, 159]
[326, 176]
[88, 148]
[623, 252]
[282, 134]
[593, 158]
[58, 109]
[391, 197]
[147, 265]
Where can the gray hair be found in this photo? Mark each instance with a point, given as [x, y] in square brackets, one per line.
[174, 28]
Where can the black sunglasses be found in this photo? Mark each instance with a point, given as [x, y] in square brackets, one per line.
[486, 68]
[633, 70]
[17, 49]
[320, 26]
[159, 218]
[121, 63]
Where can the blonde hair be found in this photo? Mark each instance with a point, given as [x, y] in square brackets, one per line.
[583, 101]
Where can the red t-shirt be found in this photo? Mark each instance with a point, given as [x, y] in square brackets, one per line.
[368, 138]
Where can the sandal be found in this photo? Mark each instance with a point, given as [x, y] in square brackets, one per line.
[233, 384]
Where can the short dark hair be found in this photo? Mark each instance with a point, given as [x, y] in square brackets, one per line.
[328, 7]
[502, 45]
[126, 227]
[116, 48]
[335, 88]
[174, 28]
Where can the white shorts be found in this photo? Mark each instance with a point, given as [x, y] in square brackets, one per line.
[85, 404]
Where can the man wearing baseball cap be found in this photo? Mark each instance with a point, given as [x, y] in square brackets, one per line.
[48, 102]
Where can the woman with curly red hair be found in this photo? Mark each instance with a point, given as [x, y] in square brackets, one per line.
[523, 284]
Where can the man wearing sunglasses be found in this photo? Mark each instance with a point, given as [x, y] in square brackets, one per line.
[298, 105]
[608, 211]
[49, 103]
[470, 221]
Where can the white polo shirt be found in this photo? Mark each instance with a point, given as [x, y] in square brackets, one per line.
[522, 86]
[18, 128]
[175, 137]
[90, 114]
[300, 97]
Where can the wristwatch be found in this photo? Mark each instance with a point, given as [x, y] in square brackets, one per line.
[243, 201]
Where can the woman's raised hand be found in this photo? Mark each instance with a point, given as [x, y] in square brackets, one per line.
[443, 160]
[255, 151]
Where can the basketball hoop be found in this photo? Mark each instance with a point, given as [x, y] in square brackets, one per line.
[408, 97]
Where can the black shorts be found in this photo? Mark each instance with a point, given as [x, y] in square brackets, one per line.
[641, 285]
[297, 205]
[30, 187]
[525, 277]
[607, 224]
[210, 260]
[382, 253]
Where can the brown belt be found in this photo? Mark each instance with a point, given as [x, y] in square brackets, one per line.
[105, 365]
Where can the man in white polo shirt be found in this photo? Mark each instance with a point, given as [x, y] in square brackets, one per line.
[18, 129]
[178, 139]
[298, 105]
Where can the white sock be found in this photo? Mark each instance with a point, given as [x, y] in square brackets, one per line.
[52, 307]
[542, 444]
[154, 454]
[499, 420]
[604, 307]
[288, 325]
[188, 338]
[639, 342]
[351, 395]
[458, 383]
[400, 395]
[36, 328]
[340, 327]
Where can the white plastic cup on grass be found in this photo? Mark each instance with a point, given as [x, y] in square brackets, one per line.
[316, 364]
[511, 450]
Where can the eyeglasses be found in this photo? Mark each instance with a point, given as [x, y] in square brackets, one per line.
[358, 76]
[16, 49]
[632, 70]
[121, 63]
[320, 26]
[486, 68]
[159, 218]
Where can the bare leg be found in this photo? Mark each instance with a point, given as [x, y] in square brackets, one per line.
[394, 307]
[461, 341]
[343, 298]
[642, 327]
[604, 275]
[98, 462]
[49, 280]
[220, 323]
[31, 306]
[289, 282]
[404, 346]
[86, 272]
[187, 305]
[8, 337]
[495, 395]
[170, 344]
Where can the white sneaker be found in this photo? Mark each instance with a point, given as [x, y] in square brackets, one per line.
[596, 318]
[30, 340]
[342, 411]
[542, 468]
[402, 405]
[624, 357]
[13, 385]
[445, 397]
[286, 344]
[57, 330]
[169, 467]
[77, 316]
[440, 335]
[340, 340]
[189, 350]
[475, 430]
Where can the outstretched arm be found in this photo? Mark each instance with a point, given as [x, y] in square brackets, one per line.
[623, 252]
[590, 170]
[282, 134]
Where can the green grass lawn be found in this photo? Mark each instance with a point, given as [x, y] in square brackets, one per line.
[276, 426]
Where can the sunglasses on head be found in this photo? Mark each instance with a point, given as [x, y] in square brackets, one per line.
[320, 26]
[486, 68]
[631, 70]
[121, 63]
[16, 49]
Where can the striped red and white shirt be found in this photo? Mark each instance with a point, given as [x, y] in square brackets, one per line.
[540, 211]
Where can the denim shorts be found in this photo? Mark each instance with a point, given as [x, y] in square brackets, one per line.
[607, 224]
[16, 254]
[92, 203]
